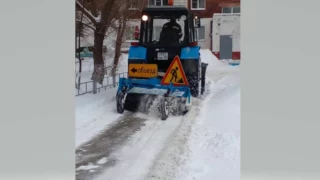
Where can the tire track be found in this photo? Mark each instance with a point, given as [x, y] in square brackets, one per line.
[101, 146]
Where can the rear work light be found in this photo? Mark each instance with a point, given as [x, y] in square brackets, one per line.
[134, 43]
[193, 43]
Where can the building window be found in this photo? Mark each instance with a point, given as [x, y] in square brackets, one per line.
[198, 4]
[236, 10]
[201, 33]
[231, 10]
[158, 2]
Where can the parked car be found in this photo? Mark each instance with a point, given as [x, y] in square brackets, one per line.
[87, 51]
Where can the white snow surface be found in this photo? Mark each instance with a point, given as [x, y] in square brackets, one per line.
[103, 161]
[88, 167]
[204, 144]
[94, 113]
[214, 142]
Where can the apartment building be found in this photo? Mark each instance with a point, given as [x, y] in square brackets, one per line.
[220, 24]
[204, 8]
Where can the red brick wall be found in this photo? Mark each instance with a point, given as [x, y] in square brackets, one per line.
[136, 14]
[236, 55]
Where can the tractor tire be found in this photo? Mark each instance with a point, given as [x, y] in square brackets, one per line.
[132, 102]
[120, 102]
[193, 81]
[164, 108]
[203, 85]
[203, 77]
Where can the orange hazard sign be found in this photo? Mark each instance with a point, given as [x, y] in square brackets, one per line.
[175, 74]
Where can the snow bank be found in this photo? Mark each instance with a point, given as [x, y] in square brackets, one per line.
[208, 57]
[215, 65]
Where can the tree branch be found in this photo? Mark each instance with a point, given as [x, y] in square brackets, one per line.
[86, 25]
[86, 12]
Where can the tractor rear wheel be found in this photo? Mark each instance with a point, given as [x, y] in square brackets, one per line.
[132, 102]
[120, 102]
[203, 77]
[193, 80]
[164, 108]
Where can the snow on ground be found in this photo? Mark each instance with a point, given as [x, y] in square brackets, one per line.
[88, 167]
[213, 147]
[94, 113]
[203, 144]
[135, 158]
[102, 161]
[214, 143]
[206, 144]
[216, 66]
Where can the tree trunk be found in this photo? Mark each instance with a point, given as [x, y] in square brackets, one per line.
[99, 70]
[117, 52]
[79, 45]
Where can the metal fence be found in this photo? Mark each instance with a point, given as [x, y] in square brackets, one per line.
[87, 87]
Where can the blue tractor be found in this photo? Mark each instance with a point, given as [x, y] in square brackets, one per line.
[165, 63]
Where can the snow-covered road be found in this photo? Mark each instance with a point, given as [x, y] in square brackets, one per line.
[203, 144]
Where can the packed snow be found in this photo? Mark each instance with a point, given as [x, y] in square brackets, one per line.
[203, 144]
[89, 167]
[94, 113]
[102, 161]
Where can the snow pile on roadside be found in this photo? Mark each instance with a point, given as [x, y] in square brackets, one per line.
[215, 65]
[208, 57]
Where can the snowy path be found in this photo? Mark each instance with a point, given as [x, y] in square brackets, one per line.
[137, 156]
[206, 146]
[214, 144]
[203, 144]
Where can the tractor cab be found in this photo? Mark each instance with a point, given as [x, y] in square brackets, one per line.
[154, 34]
[166, 32]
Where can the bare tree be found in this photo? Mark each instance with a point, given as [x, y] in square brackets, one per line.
[104, 17]
[122, 28]
[79, 31]
[100, 14]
